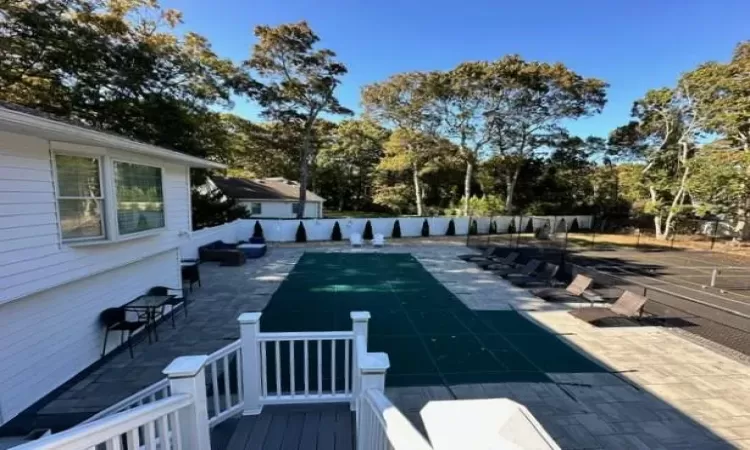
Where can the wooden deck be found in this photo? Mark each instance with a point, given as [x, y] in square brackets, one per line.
[293, 427]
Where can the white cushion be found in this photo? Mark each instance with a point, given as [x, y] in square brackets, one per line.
[356, 239]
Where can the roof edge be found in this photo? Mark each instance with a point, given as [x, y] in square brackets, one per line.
[93, 137]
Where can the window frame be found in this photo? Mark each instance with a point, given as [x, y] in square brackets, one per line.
[115, 201]
[252, 208]
[102, 199]
[295, 208]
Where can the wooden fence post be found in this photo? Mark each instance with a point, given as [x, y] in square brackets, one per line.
[251, 364]
[186, 375]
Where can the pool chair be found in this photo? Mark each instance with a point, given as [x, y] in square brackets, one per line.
[627, 308]
[356, 240]
[506, 262]
[378, 240]
[542, 278]
[487, 253]
[527, 269]
[574, 292]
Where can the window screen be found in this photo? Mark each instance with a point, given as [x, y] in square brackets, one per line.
[140, 200]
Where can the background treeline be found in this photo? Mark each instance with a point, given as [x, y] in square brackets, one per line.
[484, 137]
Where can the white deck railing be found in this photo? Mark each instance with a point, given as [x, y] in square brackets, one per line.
[258, 369]
[381, 426]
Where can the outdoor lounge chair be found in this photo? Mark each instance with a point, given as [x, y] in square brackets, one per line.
[487, 253]
[356, 240]
[628, 306]
[527, 269]
[572, 293]
[506, 262]
[545, 277]
[378, 240]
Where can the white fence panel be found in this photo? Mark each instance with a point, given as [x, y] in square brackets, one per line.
[226, 232]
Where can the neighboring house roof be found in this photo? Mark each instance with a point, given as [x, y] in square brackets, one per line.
[276, 188]
[18, 119]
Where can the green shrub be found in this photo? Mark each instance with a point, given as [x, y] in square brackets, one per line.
[493, 227]
[301, 233]
[396, 233]
[451, 229]
[336, 233]
[473, 228]
[529, 226]
[512, 227]
[574, 227]
[367, 234]
[425, 229]
[257, 230]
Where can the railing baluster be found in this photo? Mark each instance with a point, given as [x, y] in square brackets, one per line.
[132, 439]
[333, 366]
[278, 368]
[227, 389]
[149, 436]
[320, 367]
[240, 391]
[264, 370]
[176, 431]
[114, 443]
[215, 385]
[346, 366]
[307, 369]
[163, 428]
[291, 368]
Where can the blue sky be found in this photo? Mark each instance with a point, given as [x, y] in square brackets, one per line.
[634, 45]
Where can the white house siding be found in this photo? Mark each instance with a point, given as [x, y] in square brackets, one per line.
[32, 258]
[282, 210]
[49, 337]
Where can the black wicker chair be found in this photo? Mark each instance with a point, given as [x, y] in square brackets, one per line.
[115, 319]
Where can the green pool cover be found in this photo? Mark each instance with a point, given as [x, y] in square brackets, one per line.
[431, 337]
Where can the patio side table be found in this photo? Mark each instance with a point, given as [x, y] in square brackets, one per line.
[146, 306]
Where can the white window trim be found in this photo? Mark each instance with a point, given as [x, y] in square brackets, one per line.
[144, 233]
[103, 199]
[109, 192]
[252, 209]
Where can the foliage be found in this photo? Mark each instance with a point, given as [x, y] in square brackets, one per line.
[257, 230]
[300, 81]
[367, 234]
[336, 233]
[425, 228]
[493, 227]
[212, 209]
[301, 235]
[488, 205]
[473, 228]
[451, 229]
[396, 230]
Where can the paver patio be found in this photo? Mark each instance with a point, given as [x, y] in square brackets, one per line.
[662, 391]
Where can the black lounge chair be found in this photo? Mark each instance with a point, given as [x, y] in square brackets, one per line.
[487, 253]
[527, 269]
[507, 261]
[542, 278]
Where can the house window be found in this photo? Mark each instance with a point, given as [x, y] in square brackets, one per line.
[140, 199]
[295, 208]
[255, 208]
[80, 199]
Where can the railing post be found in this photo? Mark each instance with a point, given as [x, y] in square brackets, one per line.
[360, 321]
[251, 364]
[187, 376]
[372, 376]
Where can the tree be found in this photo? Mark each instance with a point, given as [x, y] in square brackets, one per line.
[396, 230]
[464, 100]
[664, 137]
[257, 230]
[336, 233]
[301, 235]
[367, 234]
[403, 101]
[346, 166]
[300, 81]
[425, 228]
[451, 229]
[212, 209]
[533, 99]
